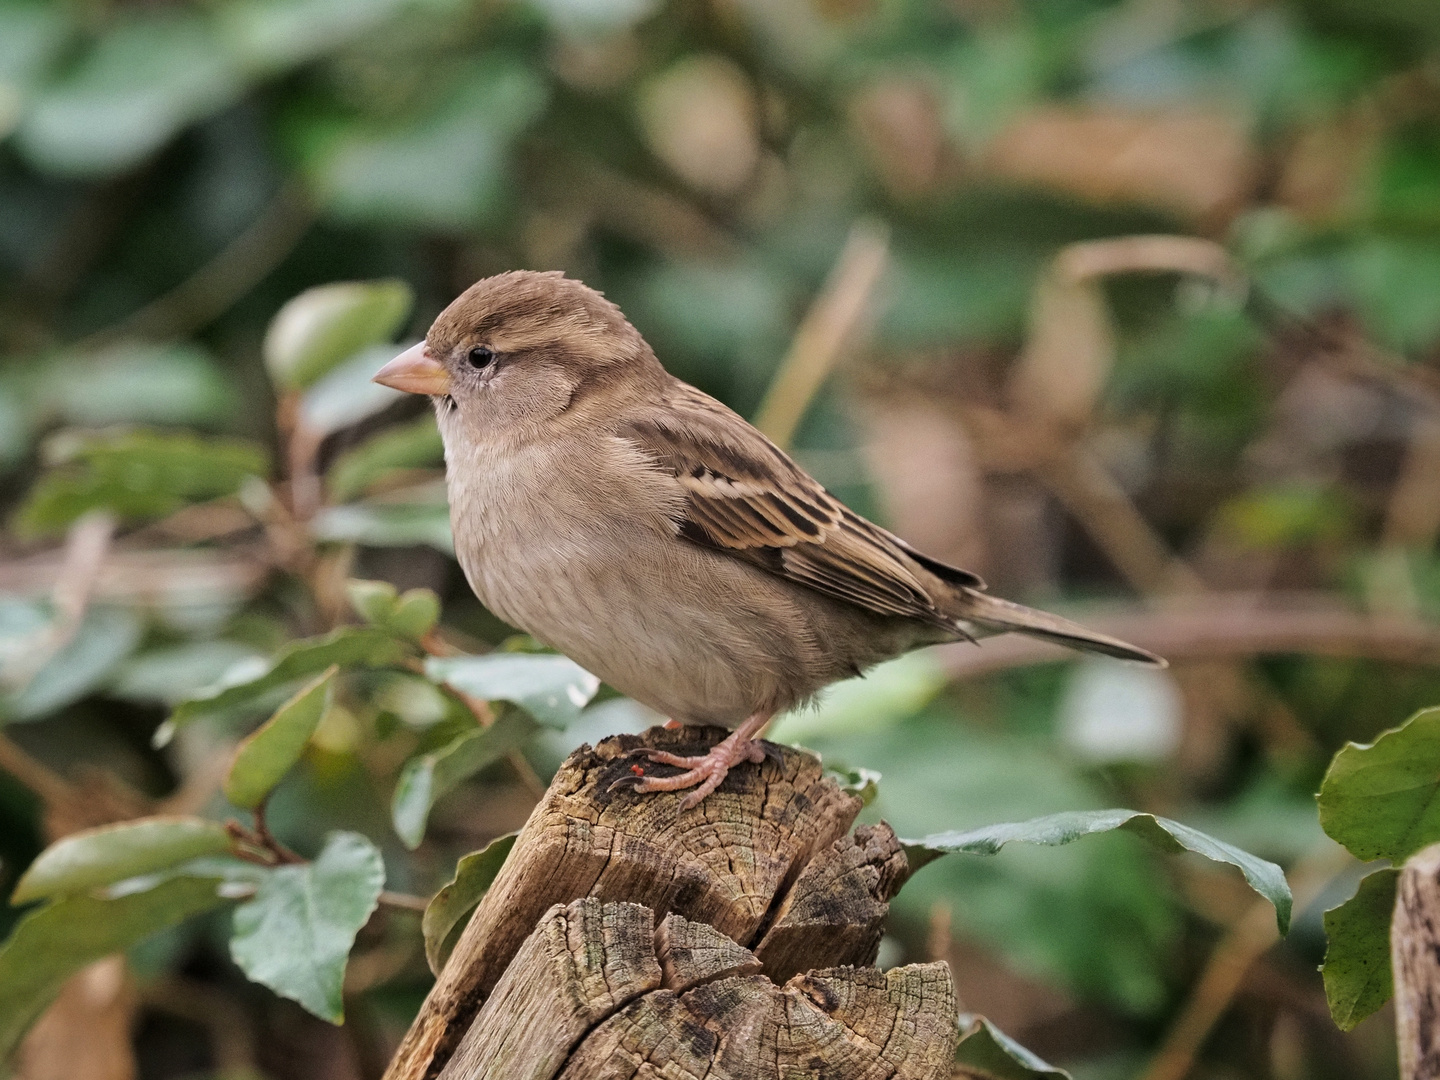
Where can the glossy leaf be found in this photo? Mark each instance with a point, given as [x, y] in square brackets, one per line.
[106, 636]
[348, 394]
[1263, 876]
[348, 646]
[295, 935]
[328, 324]
[987, 1053]
[449, 909]
[553, 689]
[1382, 800]
[102, 856]
[387, 524]
[410, 446]
[1356, 971]
[271, 750]
[176, 672]
[425, 778]
[52, 943]
[135, 475]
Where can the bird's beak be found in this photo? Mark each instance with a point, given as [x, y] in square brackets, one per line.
[415, 371]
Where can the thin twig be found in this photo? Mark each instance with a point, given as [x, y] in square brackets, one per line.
[403, 901]
[835, 321]
[1249, 937]
[215, 287]
[54, 790]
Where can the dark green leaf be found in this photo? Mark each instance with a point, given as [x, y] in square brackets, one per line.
[270, 35]
[553, 689]
[102, 856]
[1264, 876]
[348, 647]
[410, 446]
[450, 908]
[987, 1053]
[49, 945]
[135, 475]
[425, 778]
[271, 750]
[1357, 952]
[327, 325]
[1382, 801]
[387, 524]
[296, 934]
[106, 637]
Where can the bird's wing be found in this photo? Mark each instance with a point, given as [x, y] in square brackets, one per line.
[747, 498]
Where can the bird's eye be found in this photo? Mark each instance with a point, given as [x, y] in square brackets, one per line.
[480, 357]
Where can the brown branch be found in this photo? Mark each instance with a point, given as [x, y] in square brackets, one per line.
[833, 323]
[54, 790]
[1222, 627]
[403, 901]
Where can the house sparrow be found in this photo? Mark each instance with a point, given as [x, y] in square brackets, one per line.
[656, 538]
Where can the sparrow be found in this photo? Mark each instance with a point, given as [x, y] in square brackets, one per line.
[640, 527]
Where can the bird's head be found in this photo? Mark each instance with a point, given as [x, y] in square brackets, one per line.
[516, 350]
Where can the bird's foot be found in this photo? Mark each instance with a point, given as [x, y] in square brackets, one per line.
[703, 772]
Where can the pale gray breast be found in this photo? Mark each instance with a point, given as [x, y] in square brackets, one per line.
[575, 544]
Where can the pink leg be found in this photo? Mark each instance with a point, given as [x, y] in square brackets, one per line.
[705, 772]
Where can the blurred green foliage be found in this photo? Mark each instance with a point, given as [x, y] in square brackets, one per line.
[172, 174]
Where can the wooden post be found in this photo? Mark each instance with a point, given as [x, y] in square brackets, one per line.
[1415, 959]
[625, 938]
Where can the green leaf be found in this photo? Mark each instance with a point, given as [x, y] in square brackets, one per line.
[137, 383]
[102, 856]
[415, 614]
[411, 446]
[106, 637]
[1264, 876]
[377, 524]
[444, 170]
[864, 783]
[296, 934]
[425, 778]
[1382, 801]
[409, 616]
[271, 750]
[553, 689]
[1357, 973]
[327, 325]
[174, 673]
[50, 944]
[987, 1053]
[135, 475]
[450, 908]
[147, 78]
[349, 393]
[348, 646]
[271, 35]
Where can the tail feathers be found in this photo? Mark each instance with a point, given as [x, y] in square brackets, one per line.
[990, 613]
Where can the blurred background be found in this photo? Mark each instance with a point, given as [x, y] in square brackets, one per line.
[1131, 306]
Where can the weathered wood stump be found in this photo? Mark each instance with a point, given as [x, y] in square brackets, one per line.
[627, 938]
[1415, 962]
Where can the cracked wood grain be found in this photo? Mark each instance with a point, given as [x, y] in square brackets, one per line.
[722, 863]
